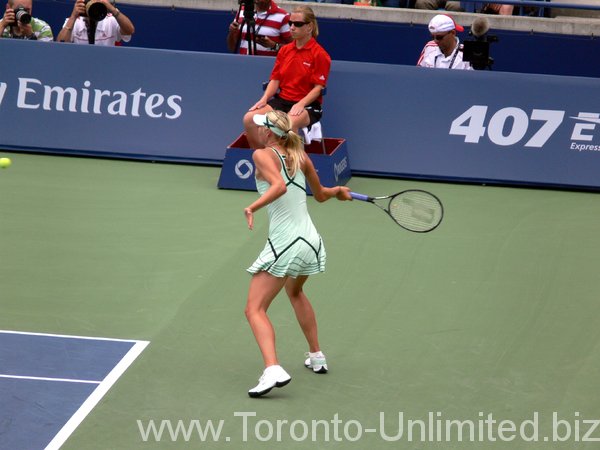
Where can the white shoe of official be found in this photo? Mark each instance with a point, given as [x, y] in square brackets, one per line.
[316, 362]
[273, 376]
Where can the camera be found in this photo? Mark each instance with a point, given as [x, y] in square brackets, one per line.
[477, 50]
[22, 15]
[95, 10]
[248, 10]
[478, 54]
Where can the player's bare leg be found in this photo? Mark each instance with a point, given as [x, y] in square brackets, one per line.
[263, 289]
[305, 313]
[308, 322]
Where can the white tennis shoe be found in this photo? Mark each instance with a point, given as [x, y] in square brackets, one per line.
[273, 376]
[316, 361]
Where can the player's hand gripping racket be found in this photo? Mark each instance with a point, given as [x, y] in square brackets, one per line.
[414, 209]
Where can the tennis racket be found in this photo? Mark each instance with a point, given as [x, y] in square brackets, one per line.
[413, 209]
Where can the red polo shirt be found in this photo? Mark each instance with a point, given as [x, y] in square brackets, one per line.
[298, 70]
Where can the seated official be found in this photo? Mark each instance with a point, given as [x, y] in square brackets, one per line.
[96, 22]
[17, 23]
[297, 80]
[445, 50]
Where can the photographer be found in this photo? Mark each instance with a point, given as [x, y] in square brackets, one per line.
[96, 22]
[269, 29]
[444, 51]
[17, 23]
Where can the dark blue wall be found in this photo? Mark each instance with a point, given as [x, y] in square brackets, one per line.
[349, 40]
[182, 106]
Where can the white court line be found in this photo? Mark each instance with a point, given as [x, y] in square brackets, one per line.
[64, 380]
[102, 388]
[96, 396]
[67, 336]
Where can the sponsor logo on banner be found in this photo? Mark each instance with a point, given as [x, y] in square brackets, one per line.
[244, 169]
[338, 169]
[512, 126]
[34, 94]
[586, 123]
[2, 91]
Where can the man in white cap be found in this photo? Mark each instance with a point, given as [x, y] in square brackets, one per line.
[445, 50]
[438, 4]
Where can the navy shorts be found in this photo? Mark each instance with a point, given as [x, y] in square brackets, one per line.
[315, 110]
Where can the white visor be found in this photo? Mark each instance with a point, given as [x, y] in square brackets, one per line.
[263, 121]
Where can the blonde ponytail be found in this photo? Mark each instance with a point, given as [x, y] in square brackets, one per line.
[289, 139]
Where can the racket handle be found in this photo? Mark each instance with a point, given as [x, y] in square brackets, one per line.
[357, 196]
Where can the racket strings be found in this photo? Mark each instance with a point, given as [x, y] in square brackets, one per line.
[416, 210]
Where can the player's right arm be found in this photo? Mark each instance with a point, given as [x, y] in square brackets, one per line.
[268, 168]
[320, 192]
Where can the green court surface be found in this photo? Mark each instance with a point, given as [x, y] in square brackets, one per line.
[492, 317]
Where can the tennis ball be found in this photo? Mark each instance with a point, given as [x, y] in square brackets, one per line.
[5, 162]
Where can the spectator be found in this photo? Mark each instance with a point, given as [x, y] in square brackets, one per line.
[497, 8]
[438, 4]
[106, 30]
[26, 27]
[271, 29]
[444, 51]
[299, 75]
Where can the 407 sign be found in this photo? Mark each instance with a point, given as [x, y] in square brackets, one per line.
[510, 126]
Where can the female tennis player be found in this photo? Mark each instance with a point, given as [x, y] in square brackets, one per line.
[298, 77]
[294, 249]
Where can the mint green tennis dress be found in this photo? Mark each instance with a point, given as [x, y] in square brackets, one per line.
[294, 247]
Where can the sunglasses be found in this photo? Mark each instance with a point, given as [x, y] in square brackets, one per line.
[298, 24]
[439, 37]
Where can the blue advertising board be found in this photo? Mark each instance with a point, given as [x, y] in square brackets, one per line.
[468, 125]
[400, 121]
[124, 102]
[329, 157]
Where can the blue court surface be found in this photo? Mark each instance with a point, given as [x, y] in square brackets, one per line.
[50, 383]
